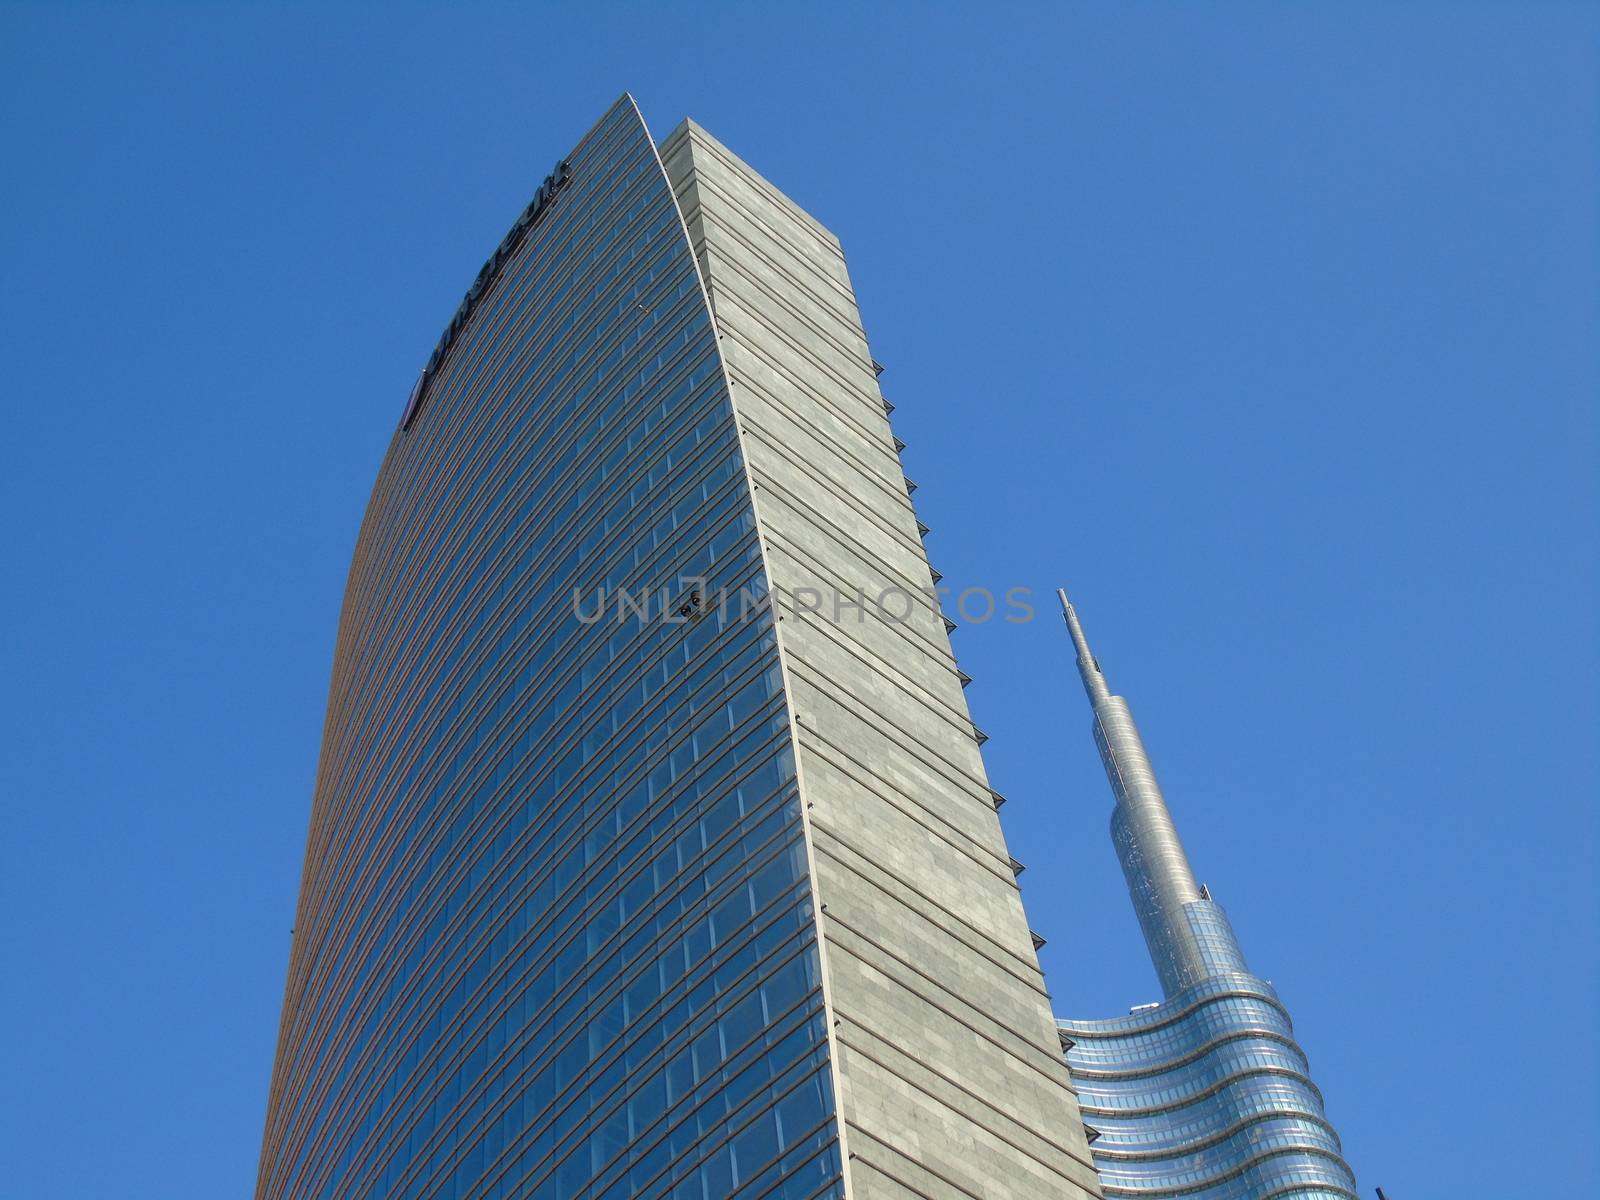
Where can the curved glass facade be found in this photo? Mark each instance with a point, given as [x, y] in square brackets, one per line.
[1205, 1095]
[556, 934]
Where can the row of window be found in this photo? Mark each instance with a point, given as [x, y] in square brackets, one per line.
[728, 661]
[557, 936]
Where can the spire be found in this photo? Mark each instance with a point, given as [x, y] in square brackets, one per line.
[1188, 936]
[1094, 680]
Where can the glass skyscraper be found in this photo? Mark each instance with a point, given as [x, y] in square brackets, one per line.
[647, 858]
[1205, 1095]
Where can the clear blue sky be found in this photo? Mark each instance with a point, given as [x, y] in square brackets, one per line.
[1270, 330]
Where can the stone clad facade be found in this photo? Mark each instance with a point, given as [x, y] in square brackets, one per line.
[696, 900]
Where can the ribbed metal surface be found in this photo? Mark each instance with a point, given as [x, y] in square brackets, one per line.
[1153, 861]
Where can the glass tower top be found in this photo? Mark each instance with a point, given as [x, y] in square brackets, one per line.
[1205, 1095]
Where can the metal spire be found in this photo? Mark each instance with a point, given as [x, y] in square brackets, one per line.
[1094, 680]
[1175, 914]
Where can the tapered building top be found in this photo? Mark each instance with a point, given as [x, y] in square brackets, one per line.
[1207, 1093]
[1188, 936]
[1094, 681]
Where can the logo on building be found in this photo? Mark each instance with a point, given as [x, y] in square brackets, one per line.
[542, 199]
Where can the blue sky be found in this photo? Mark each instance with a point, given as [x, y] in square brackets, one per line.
[1269, 330]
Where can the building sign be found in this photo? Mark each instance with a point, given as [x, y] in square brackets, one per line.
[542, 199]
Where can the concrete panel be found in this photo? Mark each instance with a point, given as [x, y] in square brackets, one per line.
[949, 1067]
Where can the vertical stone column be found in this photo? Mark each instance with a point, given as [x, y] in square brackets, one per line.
[950, 1068]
